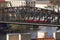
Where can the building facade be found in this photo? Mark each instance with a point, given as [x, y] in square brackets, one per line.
[42, 3]
[36, 3]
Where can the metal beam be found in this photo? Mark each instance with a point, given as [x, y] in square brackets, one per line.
[23, 23]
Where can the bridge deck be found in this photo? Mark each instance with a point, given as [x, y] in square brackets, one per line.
[25, 23]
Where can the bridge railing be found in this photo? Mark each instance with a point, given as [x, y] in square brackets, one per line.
[28, 14]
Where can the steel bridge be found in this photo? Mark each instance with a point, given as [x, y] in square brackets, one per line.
[18, 15]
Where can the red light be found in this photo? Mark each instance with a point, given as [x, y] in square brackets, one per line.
[29, 21]
[38, 21]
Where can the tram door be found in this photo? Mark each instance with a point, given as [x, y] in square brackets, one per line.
[13, 37]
